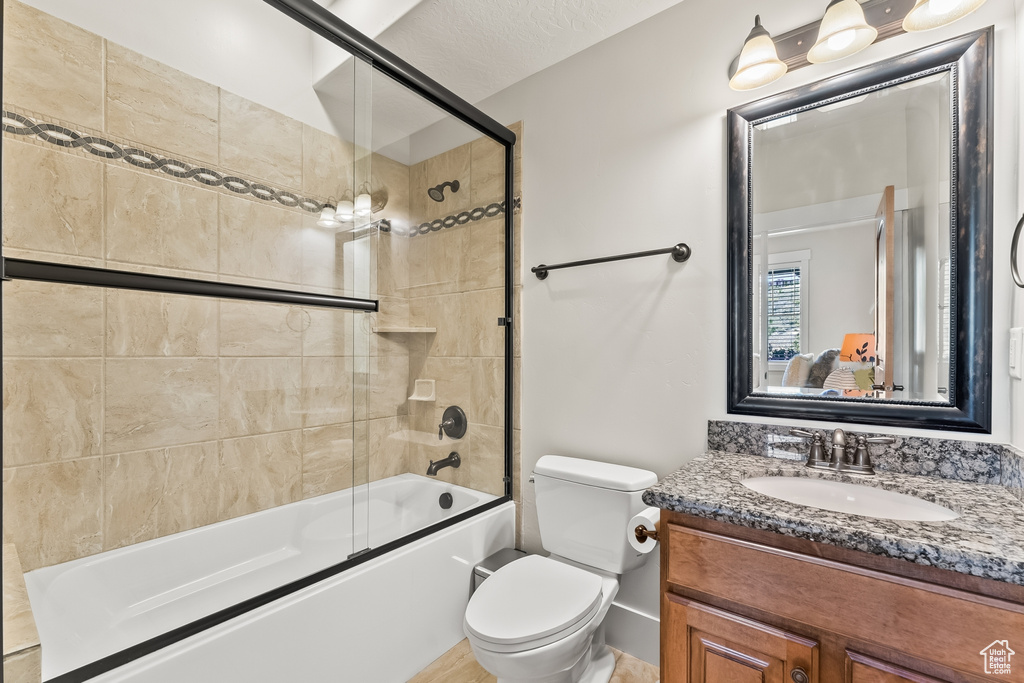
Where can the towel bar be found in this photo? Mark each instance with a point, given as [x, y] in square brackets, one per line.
[680, 252]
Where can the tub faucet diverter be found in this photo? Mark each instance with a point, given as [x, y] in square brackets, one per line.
[453, 460]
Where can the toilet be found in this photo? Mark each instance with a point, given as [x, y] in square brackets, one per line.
[540, 619]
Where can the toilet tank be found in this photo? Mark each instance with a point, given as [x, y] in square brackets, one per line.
[584, 507]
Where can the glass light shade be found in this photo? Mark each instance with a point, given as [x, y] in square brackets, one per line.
[362, 205]
[843, 32]
[759, 62]
[327, 218]
[929, 14]
[345, 212]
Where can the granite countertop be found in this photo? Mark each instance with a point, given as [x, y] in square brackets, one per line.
[987, 540]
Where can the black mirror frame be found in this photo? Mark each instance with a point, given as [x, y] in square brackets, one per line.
[969, 59]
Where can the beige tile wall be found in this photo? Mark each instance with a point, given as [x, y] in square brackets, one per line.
[132, 415]
[456, 280]
[129, 415]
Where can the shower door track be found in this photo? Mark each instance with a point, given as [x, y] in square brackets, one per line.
[59, 273]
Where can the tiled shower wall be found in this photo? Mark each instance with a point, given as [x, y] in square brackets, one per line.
[452, 281]
[127, 415]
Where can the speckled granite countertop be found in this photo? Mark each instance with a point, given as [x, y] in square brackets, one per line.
[987, 540]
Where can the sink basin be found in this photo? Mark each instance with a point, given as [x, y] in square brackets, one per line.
[854, 499]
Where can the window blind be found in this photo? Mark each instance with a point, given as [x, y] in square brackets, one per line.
[783, 312]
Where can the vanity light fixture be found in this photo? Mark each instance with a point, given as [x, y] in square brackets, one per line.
[843, 32]
[371, 197]
[346, 210]
[362, 204]
[759, 62]
[929, 14]
[328, 216]
[847, 27]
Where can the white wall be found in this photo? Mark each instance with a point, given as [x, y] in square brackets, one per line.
[811, 162]
[625, 149]
[840, 281]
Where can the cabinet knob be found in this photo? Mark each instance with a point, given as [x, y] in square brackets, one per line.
[799, 675]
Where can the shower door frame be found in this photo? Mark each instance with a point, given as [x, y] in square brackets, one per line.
[330, 27]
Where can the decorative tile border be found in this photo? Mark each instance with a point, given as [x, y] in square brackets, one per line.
[61, 136]
[973, 461]
[55, 134]
[489, 211]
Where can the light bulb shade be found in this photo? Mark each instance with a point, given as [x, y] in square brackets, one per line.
[759, 62]
[929, 14]
[362, 204]
[844, 31]
[327, 217]
[345, 212]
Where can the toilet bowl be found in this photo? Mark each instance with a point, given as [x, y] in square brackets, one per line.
[541, 619]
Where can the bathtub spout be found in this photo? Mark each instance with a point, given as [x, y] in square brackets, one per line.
[453, 460]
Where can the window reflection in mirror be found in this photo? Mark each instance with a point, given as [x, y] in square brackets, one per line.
[851, 246]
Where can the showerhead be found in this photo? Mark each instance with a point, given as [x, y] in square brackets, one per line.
[437, 193]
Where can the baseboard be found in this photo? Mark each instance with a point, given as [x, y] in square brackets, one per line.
[634, 632]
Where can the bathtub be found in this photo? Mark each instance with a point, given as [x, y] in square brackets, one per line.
[382, 620]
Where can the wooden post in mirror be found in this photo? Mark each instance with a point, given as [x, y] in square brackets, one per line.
[885, 247]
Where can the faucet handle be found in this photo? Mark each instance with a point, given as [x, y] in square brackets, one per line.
[862, 459]
[816, 453]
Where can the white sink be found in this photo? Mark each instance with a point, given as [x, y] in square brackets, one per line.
[854, 499]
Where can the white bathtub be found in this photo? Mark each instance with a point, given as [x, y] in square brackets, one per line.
[351, 626]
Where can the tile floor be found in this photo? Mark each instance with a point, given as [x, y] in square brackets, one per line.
[458, 666]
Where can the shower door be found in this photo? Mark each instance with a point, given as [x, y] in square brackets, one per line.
[180, 343]
[247, 272]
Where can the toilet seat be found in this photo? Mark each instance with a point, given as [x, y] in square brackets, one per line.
[532, 602]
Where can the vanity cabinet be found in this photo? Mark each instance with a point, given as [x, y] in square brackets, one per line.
[718, 646]
[747, 605]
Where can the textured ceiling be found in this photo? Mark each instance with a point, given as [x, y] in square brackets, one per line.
[478, 47]
[475, 48]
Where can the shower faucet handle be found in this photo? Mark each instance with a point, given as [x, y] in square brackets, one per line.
[453, 423]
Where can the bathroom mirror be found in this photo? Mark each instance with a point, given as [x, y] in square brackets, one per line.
[860, 264]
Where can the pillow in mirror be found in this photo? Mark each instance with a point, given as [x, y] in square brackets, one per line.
[822, 368]
[797, 370]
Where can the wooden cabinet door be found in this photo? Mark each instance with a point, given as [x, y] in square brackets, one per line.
[702, 644]
[863, 669]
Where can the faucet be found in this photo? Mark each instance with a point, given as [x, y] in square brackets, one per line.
[453, 460]
[837, 460]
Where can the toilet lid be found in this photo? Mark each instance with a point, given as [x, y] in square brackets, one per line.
[532, 598]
